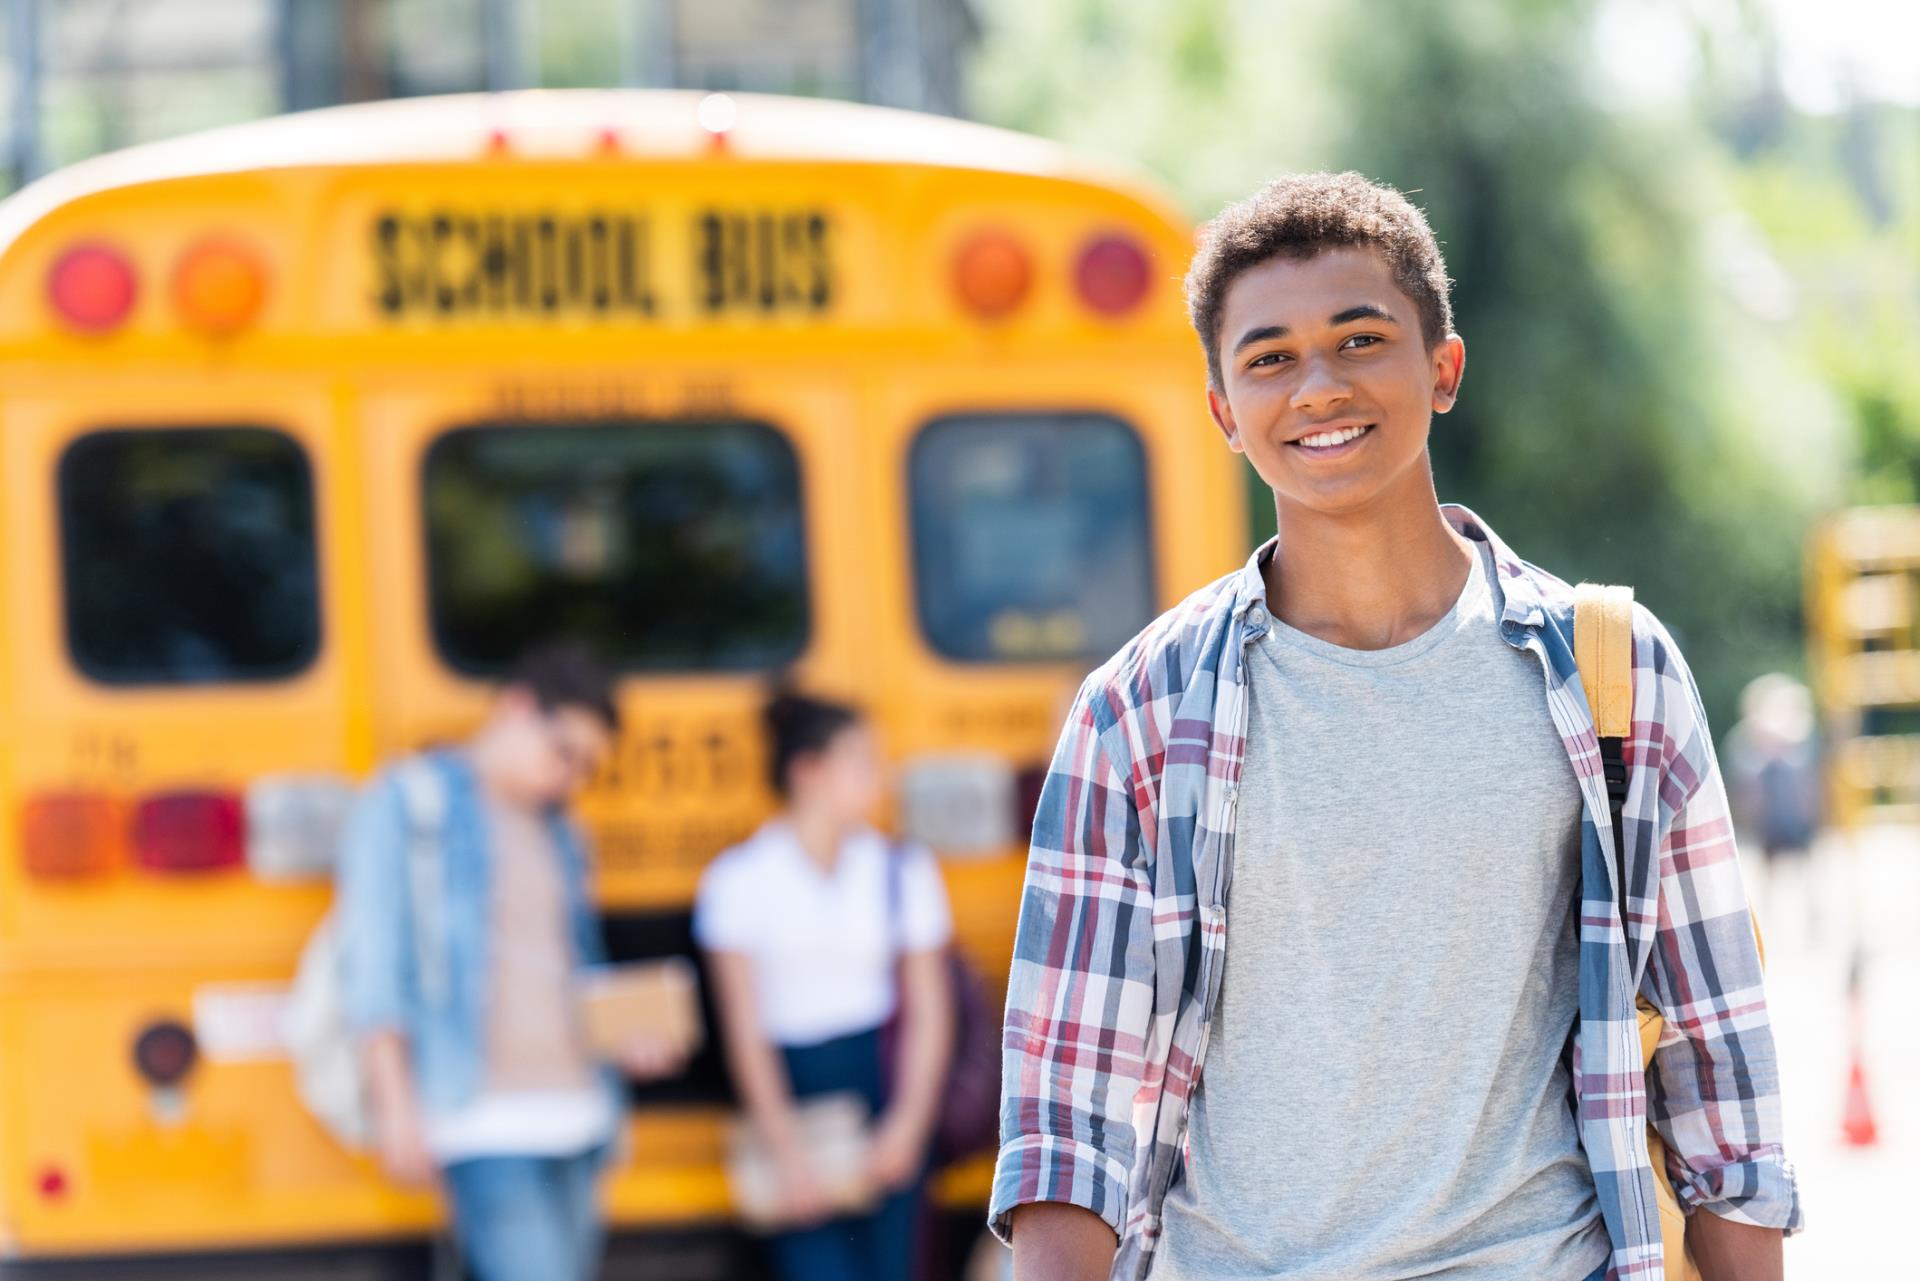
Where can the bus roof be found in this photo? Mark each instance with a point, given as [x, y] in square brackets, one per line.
[559, 124]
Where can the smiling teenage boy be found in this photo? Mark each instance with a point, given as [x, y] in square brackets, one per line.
[1319, 971]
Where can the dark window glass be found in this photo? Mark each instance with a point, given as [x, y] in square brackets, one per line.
[1030, 536]
[667, 544]
[189, 555]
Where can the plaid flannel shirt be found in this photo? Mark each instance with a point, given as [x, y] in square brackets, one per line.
[1123, 926]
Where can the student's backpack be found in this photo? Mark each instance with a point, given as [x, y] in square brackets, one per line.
[1603, 651]
[325, 1053]
[968, 1121]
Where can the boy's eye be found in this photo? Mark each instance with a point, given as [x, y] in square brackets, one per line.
[1265, 358]
[1364, 340]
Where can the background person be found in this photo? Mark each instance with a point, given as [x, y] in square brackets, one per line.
[481, 1081]
[1774, 786]
[806, 927]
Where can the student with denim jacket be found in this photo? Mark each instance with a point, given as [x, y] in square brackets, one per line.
[478, 1072]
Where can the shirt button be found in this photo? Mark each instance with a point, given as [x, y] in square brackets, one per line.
[1256, 615]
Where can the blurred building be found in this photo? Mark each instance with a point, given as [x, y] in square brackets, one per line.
[84, 76]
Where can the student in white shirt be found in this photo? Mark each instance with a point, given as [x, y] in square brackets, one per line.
[812, 926]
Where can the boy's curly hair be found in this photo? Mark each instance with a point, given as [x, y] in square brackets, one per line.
[1304, 214]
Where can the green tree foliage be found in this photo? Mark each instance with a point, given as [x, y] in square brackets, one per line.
[1610, 419]
[1642, 403]
[1838, 199]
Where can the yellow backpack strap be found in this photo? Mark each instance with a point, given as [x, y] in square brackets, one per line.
[1603, 651]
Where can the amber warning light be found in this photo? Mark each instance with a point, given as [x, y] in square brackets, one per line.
[992, 273]
[219, 286]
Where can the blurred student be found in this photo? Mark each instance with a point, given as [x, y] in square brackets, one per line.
[1774, 784]
[463, 995]
[806, 924]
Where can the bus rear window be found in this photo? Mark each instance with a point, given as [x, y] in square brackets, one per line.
[1030, 536]
[668, 544]
[188, 555]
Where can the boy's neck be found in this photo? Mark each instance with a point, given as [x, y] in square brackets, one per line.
[1368, 579]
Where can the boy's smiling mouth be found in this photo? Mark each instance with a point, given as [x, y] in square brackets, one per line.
[1327, 443]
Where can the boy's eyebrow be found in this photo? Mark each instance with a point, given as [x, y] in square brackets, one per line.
[1364, 311]
[1260, 334]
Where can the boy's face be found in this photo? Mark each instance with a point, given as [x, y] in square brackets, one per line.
[546, 756]
[1328, 344]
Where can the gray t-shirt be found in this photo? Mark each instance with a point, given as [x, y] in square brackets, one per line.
[1384, 1094]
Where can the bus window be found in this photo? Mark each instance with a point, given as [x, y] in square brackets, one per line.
[666, 545]
[1030, 537]
[188, 555]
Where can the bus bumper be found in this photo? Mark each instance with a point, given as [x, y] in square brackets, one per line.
[693, 1254]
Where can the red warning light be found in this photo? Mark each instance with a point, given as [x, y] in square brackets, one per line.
[92, 286]
[1113, 274]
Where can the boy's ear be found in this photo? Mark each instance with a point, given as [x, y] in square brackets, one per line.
[1222, 415]
[1449, 368]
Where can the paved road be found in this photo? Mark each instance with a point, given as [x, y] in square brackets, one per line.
[1860, 895]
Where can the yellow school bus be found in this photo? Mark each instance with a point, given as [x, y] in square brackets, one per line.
[310, 424]
[1861, 579]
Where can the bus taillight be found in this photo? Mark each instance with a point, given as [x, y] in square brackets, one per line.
[1112, 274]
[189, 832]
[992, 273]
[92, 286]
[219, 286]
[66, 835]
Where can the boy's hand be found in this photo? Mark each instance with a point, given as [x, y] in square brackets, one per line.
[803, 1202]
[649, 1058]
[895, 1155]
[403, 1149]
[399, 1126]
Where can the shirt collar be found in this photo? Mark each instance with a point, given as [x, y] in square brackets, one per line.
[1519, 590]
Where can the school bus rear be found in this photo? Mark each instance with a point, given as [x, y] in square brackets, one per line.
[310, 425]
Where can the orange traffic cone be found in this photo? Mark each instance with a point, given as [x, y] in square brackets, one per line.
[1857, 1125]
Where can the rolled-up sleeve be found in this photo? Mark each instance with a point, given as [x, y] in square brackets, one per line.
[1714, 1093]
[371, 910]
[1080, 992]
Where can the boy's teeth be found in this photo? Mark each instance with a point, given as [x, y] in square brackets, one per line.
[1327, 439]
